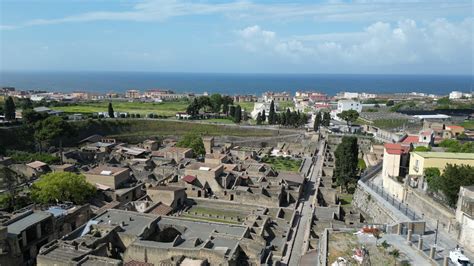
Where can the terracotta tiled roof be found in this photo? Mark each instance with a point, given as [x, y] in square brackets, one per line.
[411, 139]
[396, 148]
[189, 178]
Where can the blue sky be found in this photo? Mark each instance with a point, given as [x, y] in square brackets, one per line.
[358, 36]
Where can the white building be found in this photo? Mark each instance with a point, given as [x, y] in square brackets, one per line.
[465, 217]
[346, 105]
[459, 95]
[258, 107]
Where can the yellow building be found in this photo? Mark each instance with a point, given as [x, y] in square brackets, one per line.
[419, 161]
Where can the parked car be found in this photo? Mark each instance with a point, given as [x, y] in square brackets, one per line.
[458, 258]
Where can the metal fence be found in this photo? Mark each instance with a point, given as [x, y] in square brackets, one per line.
[403, 207]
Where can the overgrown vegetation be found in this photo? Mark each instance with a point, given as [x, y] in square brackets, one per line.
[422, 148]
[194, 142]
[283, 163]
[452, 145]
[27, 157]
[448, 183]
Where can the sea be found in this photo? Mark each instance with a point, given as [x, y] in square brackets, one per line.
[231, 84]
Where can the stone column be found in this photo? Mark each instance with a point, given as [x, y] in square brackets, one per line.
[432, 252]
[23, 238]
[399, 229]
[420, 243]
[410, 232]
[446, 261]
[38, 231]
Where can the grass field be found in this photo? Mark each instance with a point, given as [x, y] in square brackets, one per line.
[285, 105]
[247, 106]
[136, 130]
[164, 108]
[220, 121]
[468, 125]
[283, 163]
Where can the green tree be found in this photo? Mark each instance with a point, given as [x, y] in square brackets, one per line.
[193, 108]
[216, 102]
[452, 145]
[350, 116]
[226, 102]
[317, 122]
[111, 111]
[30, 116]
[347, 158]
[271, 114]
[51, 128]
[422, 148]
[204, 102]
[9, 109]
[453, 178]
[232, 111]
[326, 119]
[390, 103]
[61, 187]
[259, 119]
[238, 114]
[264, 116]
[443, 101]
[433, 178]
[193, 141]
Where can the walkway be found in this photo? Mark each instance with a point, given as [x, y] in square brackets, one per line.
[300, 245]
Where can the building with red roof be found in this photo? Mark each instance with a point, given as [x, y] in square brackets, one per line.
[395, 167]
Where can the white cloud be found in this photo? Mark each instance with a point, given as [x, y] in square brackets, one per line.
[253, 38]
[380, 44]
[159, 10]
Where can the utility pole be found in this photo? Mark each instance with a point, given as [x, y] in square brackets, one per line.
[436, 232]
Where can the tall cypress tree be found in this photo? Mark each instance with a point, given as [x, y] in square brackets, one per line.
[238, 114]
[271, 114]
[317, 121]
[9, 109]
[111, 111]
[347, 157]
[326, 119]
[259, 119]
[288, 117]
[264, 116]
[232, 111]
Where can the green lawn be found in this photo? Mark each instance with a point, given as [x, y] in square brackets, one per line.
[390, 123]
[283, 163]
[164, 108]
[361, 164]
[219, 120]
[285, 105]
[247, 106]
[346, 199]
[468, 125]
[134, 130]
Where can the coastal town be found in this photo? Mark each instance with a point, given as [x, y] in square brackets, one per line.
[157, 177]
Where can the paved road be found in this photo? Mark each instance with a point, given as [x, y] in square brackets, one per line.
[299, 245]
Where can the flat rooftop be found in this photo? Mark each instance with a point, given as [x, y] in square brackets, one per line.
[107, 170]
[132, 222]
[29, 220]
[446, 155]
